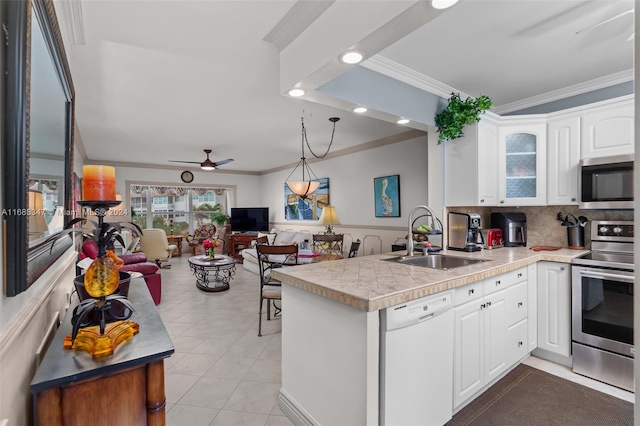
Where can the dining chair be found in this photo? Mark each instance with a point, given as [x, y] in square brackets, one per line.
[355, 246]
[328, 243]
[269, 258]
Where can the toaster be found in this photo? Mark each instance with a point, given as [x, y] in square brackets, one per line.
[492, 238]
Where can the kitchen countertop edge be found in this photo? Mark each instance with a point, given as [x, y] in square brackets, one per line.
[303, 276]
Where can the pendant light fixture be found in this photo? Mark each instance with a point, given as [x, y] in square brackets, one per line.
[310, 182]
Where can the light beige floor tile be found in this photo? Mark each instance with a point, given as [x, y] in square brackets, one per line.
[253, 397]
[211, 392]
[167, 407]
[185, 343]
[246, 348]
[229, 367]
[172, 360]
[279, 421]
[186, 415]
[176, 385]
[238, 418]
[176, 329]
[276, 411]
[194, 364]
[213, 346]
[273, 350]
[265, 370]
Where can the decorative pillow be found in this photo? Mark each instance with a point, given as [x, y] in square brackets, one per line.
[285, 237]
[270, 237]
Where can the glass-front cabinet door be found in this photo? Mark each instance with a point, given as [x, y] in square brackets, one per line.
[522, 165]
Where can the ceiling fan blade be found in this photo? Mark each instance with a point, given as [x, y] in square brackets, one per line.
[221, 162]
[606, 21]
[190, 162]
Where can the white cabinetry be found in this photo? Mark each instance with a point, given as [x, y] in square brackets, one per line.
[532, 300]
[490, 332]
[471, 175]
[607, 129]
[563, 155]
[522, 159]
[554, 310]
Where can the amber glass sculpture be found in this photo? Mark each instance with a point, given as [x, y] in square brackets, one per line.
[111, 254]
[101, 278]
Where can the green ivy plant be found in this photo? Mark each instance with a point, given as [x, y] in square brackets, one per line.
[459, 113]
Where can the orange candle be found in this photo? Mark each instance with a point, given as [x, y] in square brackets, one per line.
[98, 183]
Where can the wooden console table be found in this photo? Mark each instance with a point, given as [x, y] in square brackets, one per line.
[240, 242]
[177, 240]
[126, 388]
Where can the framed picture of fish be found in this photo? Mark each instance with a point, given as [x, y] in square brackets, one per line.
[386, 196]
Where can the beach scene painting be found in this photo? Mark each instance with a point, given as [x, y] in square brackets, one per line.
[297, 208]
[387, 196]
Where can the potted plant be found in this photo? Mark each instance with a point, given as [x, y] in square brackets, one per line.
[459, 113]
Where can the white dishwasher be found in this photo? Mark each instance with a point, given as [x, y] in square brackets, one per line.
[416, 362]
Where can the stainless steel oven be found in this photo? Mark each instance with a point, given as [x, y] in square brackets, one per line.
[602, 306]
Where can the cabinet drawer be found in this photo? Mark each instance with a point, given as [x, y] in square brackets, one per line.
[505, 280]
[468, 293]
[517, 346]
[517, 303]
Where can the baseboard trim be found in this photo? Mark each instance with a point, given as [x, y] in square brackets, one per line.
[294, 412]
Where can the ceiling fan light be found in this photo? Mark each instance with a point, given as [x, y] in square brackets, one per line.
[443, 4]
[304, 188]
[207, 167]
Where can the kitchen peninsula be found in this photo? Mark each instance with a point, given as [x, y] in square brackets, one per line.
[331, 332]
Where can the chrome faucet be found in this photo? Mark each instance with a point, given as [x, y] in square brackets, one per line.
[410, 245]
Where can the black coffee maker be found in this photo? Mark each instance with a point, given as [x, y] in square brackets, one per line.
[514, 227]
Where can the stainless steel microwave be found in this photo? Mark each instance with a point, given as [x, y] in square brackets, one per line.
[606, 183]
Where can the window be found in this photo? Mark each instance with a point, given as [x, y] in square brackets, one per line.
[153, 206]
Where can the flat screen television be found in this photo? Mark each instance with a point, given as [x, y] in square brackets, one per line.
[249, 219]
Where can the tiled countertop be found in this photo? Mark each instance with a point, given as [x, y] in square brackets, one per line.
[368, 284]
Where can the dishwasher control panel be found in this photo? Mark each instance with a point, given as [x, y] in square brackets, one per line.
[415, 311]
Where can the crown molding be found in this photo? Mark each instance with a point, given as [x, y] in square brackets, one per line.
[405, 74]
[295, 21]
[576, 89]
[167, 167]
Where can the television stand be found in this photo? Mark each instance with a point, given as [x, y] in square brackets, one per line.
[239, 242]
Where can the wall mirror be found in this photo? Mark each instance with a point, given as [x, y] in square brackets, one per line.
[38, 143]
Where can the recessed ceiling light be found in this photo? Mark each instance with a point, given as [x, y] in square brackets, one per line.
[359, 110]
[443, 4]
[352, 57]
[296, 92]
[403, 121]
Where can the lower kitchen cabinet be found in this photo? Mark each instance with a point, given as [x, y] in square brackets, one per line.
[490, 332]
[554, 309]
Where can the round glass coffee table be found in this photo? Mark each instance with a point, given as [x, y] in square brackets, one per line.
[213, 274]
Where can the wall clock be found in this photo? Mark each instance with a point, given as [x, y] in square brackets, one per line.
[187, 177]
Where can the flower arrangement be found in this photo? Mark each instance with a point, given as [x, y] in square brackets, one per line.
[210, 245]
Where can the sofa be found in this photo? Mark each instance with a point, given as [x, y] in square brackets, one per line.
[250, 256]
[135, 262]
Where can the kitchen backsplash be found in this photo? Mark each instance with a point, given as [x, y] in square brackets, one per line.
[543, 229]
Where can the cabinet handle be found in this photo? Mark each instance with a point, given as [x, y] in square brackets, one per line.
[519, 304]
[573, 199]
[520, 275]
[501, 201]
[482, 201]
[498, 282]
[488, 303]
[471, 291]
[484, 305]
[562, 268]
[519, 344]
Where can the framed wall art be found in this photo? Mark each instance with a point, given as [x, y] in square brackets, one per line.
[386, 195]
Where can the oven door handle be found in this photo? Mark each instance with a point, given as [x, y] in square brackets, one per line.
[603, 275]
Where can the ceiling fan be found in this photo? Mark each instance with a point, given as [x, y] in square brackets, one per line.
[606, 21]
[206, 164]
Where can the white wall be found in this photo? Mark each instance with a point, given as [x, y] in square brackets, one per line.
[351, 183]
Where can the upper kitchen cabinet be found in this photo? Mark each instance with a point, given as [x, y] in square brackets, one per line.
[563, 155]
[607, 128]
[470, 171]
[522, 158]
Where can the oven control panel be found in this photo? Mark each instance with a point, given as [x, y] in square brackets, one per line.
[611, 230]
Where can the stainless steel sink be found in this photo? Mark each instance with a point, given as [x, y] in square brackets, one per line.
[435, 261]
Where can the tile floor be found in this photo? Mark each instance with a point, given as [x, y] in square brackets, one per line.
[222, 373]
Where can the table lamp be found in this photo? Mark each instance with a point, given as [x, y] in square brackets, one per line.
[328, 218]
[37, 222]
